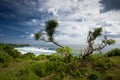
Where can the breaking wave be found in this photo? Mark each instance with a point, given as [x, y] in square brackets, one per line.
[35, 50]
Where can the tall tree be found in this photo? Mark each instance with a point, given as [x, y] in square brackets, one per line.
[50, 27]
[92, 36]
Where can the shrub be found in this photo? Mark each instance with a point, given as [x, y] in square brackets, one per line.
[76, 73]
[66, 51]
[55, 57]
[6, 64]
[29, 56]
[113, 52]
[93, 76]
[40, 57]
[24, 70]
[51, 66]
[4, 57]
[18, 60]
[103, 62]
[11, 51]
[109, 77]
[93, 58]
[39, 69]
[26, 73]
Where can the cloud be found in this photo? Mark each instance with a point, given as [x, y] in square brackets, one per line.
[53, 11]
[110, 5]
[32, 22]
[75, 17]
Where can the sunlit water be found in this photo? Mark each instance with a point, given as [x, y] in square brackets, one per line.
[49, 49]
[35, 50]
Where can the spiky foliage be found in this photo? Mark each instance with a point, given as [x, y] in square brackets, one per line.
[96, 32]
[92, 36]
[50, 27]
[37, 36]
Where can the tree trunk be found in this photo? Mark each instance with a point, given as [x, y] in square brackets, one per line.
[57, 44]
[84, 56]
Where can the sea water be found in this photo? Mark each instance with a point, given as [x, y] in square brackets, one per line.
[49, 49]
[36, 50]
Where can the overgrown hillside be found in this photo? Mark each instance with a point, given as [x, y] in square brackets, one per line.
[17, 66]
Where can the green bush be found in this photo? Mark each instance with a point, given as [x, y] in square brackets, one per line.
[9, 76]
[26, 73]
[51, 66]
[6, 64]
[56, 57]
[24, 70]
[39, 69]
[93, 58]
[11, 51]
[65, 51]
[76, 73]
[29, 56]
[40, 57]
[93, 76]
[113, 52]
[110, 76]
[103, 62]
[4, 57]
[18, 59]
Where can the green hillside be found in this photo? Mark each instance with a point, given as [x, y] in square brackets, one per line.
[16, 66]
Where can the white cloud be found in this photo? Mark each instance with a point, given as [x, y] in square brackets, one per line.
[78, 16]
[53, 11]
[30, 36]
[32, 22]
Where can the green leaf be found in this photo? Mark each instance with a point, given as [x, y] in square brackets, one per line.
[37, 36]
[50, 27]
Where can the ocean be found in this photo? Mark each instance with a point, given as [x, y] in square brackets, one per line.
[49, 49]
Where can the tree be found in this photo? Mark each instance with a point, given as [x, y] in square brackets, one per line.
[50, 27]
[92, 36]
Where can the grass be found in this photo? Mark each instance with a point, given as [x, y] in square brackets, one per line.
[58, 67]
[85, 68]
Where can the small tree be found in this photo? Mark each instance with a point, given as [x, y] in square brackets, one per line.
[92, 36]
[50, 30]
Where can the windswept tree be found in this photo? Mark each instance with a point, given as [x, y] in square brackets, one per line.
[92, 36]
[50, 27]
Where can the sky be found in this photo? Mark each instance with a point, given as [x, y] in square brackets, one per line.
[20, 19]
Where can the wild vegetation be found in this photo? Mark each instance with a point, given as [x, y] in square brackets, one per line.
[62, 65]
[58, 66]
[50, 27]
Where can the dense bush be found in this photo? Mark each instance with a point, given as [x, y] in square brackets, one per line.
[110, 76]
[29, 56]
[41, 57]
[65, 51]
[93, 76]
[93, 58]
[55, 57]
[10, 50]
[113, 52]
[43, 69]
[103, 62]
[26, 73]
[100, 61]
[4, 57]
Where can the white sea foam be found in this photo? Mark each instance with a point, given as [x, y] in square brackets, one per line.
[35, 50]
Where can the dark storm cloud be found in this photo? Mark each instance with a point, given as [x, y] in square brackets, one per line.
[13, 13]
[110, 5]
[21, 9]
[114, 36]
